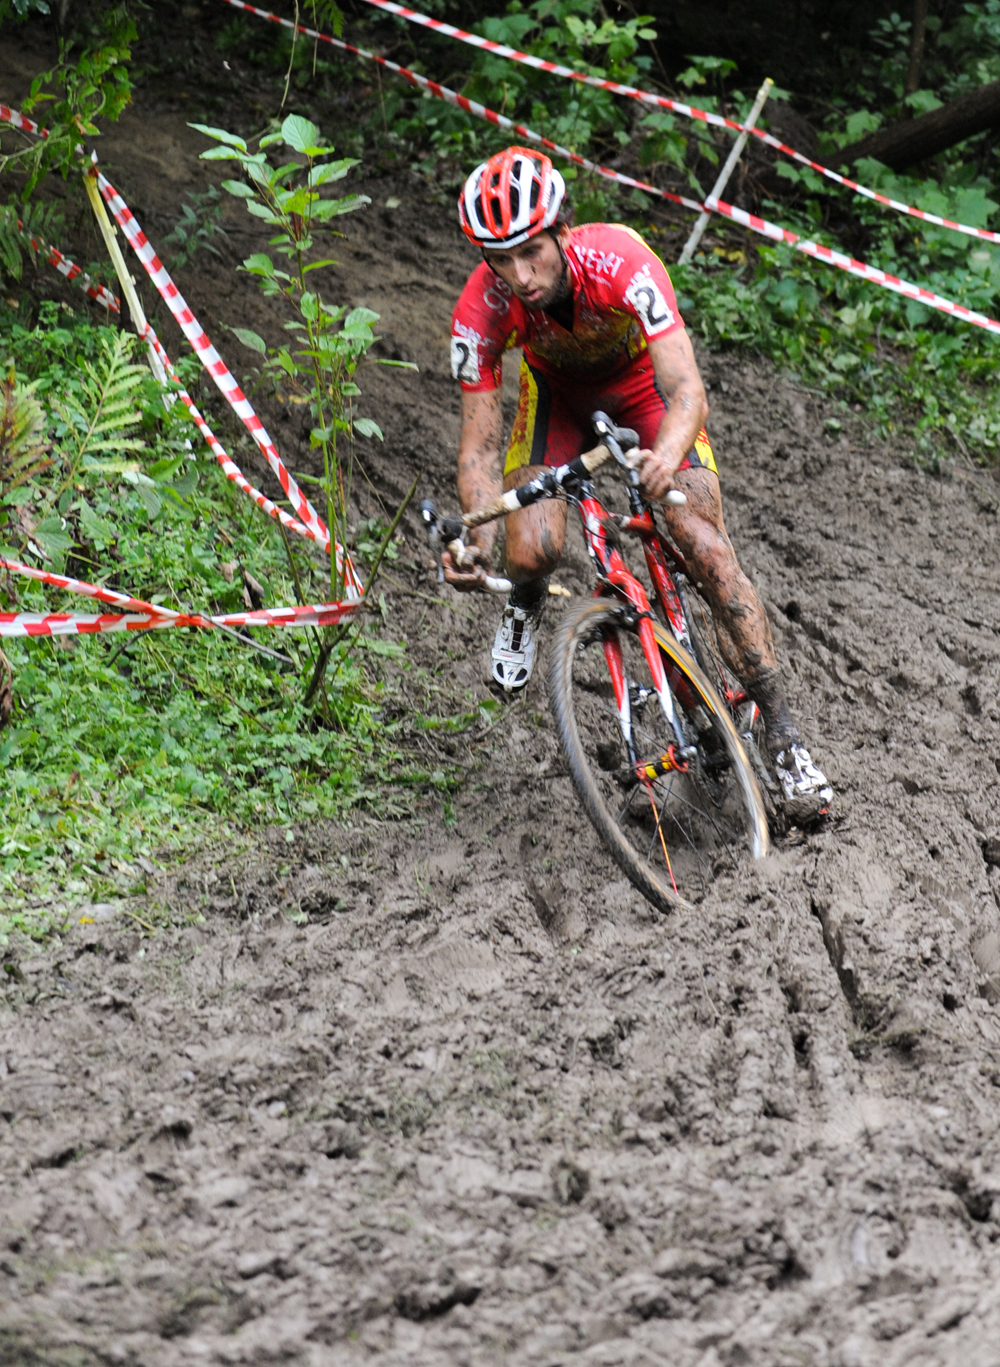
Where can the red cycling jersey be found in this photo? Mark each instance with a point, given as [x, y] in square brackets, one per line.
[622, 298]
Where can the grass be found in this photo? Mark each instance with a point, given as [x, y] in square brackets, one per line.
[122, 750]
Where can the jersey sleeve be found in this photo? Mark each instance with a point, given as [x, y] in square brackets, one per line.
[644, 286]
[483, 326]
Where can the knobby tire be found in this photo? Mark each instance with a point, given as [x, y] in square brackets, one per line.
[577, 699]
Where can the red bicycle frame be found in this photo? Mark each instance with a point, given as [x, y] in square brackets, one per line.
[617, 580]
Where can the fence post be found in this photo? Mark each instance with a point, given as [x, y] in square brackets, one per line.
[691, 245]
[118, 261]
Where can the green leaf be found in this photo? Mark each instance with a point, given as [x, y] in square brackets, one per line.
[331, 170]
[222, 154]
[331, 208]
[18, 498]
[239, 188]
[220, 135]
[187, 484]
[149, 499]
[259, 264]
[361, 315]
[368, 428]
[164, 470]
[50, 536]
[251, 339]
[96, 529]
[303, 136]
[402, 365]
[262, 211]
[109, 467]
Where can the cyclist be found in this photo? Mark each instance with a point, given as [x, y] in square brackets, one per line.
[595, 313]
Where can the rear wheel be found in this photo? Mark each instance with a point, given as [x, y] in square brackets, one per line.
[672, 822]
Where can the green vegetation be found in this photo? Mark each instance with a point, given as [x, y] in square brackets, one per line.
[915, 371]
[121, 745]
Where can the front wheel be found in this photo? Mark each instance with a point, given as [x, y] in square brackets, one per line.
[671, 816]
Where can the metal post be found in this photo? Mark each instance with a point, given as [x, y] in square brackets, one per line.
[690, 247]
[118, 260]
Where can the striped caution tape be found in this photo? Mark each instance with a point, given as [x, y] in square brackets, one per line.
[72, 271]
[232, 471]
[142, 616]
[21, 121]
[310, 524]
[480, 111]
[756, 224]
[853, 267]
[207, 354]
[676, 106]
[148, 616]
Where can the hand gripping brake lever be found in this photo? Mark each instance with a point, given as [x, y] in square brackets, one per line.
[447, 532]
[621, 441]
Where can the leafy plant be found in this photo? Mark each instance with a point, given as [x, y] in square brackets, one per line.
[24, 451]
[73, 95]
[199, 223]
[331, 339]
[19, 223]
[123, 746]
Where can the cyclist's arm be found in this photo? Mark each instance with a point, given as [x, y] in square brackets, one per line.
[680, 383]
[480, 479]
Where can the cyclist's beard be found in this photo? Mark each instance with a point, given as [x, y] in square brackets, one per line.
[560, 291]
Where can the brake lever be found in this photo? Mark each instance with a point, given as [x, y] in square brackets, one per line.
[447, 533]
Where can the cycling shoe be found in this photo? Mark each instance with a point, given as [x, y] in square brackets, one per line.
[805, 788]
[514, 647]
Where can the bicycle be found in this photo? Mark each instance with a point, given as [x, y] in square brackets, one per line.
[660, 739]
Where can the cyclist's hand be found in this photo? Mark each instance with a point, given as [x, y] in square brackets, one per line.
[470, 577]
[656, 472]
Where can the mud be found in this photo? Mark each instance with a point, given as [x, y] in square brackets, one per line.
[481, 1104]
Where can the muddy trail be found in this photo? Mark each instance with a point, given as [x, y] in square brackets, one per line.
[483, 1105]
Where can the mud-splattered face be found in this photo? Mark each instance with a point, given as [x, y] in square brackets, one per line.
[534, 270]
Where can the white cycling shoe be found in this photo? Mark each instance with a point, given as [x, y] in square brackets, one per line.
[806, 789]
[514, 646]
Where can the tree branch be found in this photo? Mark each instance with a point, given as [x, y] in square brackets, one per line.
[916, 140]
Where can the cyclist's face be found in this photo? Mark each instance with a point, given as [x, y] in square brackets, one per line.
[533, 270]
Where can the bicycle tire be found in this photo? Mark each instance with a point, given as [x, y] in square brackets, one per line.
[590, 733]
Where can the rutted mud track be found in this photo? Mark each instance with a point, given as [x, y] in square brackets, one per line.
[486, 1106]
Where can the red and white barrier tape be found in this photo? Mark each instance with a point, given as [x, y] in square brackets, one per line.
[21, 121]
[71, 271]
[676, 106]
[480, 111]
[207, 354]
[759, 225]
[152, 616]
[142, 616]
[858, 268]
[229, 466]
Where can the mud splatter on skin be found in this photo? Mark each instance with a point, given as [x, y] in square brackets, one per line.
[482, 1105]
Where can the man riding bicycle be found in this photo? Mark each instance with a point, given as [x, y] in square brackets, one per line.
[595, 313]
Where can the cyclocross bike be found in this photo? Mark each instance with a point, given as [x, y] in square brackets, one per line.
[660, 738]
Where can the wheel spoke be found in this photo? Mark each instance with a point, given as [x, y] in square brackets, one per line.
[692, 816]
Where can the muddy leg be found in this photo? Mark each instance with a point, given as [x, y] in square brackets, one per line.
[535, 539]
[744, 632]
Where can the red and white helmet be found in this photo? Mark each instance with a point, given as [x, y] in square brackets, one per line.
[511, 197]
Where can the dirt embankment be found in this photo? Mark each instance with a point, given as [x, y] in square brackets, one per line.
[485, 1106]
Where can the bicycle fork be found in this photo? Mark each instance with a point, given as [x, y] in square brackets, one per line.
[677, 755]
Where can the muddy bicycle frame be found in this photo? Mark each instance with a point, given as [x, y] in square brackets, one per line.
[572, 482]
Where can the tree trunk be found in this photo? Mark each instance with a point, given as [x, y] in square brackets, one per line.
[918, 32]
[918, 139]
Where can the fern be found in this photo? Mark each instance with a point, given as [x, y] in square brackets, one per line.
[24, 452]
[101, 422]
[19, 223]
